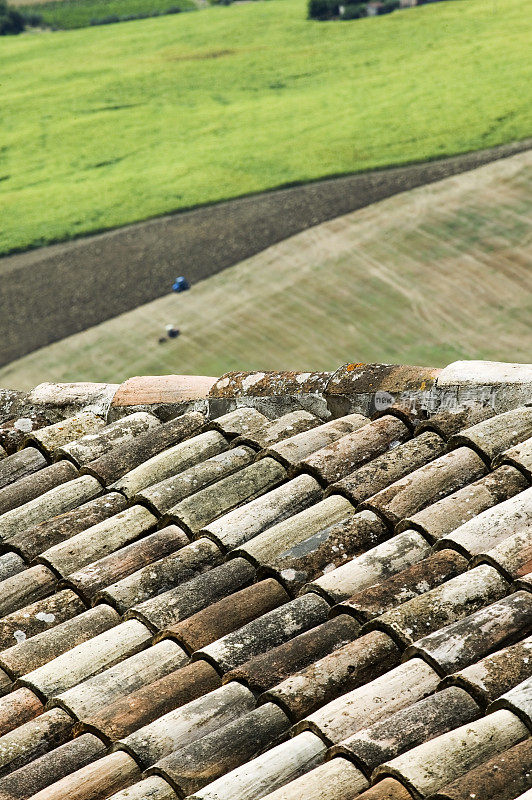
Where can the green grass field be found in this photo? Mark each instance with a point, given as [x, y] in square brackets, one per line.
[107, 125]
[427, 277]
[69, 14]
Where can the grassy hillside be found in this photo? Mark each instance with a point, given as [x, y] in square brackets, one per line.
[434, 275]
[107, 125]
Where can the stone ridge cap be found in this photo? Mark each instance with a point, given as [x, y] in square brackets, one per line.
[366, 388]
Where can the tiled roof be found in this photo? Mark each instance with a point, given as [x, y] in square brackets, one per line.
[292, 586]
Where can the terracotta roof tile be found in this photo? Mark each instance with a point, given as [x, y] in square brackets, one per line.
[93, 445]
[344, 669]
[97, 693]
[496, 434]
[389, 467]
[26, 781]
[390, 544]
[519, 456]
[430, 766]
[283, 427]
[296, 529]
[407, 728]
[427, 484]
[32, 486]
[292, 451]
[168, 493]
[403, 586]
[493, 675]
[328, 548]
[443, 605]
[227, 615]
[498, 778]
[21, 464]
[447, 514]
[266, 670]
[492, 526]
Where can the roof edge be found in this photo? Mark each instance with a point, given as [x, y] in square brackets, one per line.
[352, 388]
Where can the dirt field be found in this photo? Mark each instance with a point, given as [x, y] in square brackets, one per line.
[441, 273]
[51, 293]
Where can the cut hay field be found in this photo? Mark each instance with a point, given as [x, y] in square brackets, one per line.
[108, 125]
[430, 276]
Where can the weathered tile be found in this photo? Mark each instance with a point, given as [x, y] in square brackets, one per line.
[160, 576]
[162, 496]
[278, 429]
[384, 470]
[95, 781]
[171, 461]
[519, 456]
[124, 458]
[151, 701]
[43, 647]
[411, 582]
[340, 458]
[227, 615]
[444, 516]
[88, 658]
[32, 486]
[518, 699]
[267, 772]
[499, 778]
[33, 739]
[152, 788]
[372, 567]
[335, 780]
[56, 501]
[99, 540]
[188, 723]
[268, 669]
[51, 437]
[93, 445]
[19, 465]
[51, 767]
[432, 765]
[326, 549]
[387, 789]
[26, 587]
[125, 561]
[496, 434]
[293, 450]
[99, 692]
[195, 594]
[240, 422]
[512, 557]
[382, 696]
[17, 708]
[427, 484]
[295, 530]
[222, 750]
[35, 540]
[443, 605]
[11, 564]
[270, 630]
[409, 727]
[452, 420]
[203, 507]
[341, 671]
[492, 676]
[38, 617]
[242, 524]
[492, 526]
